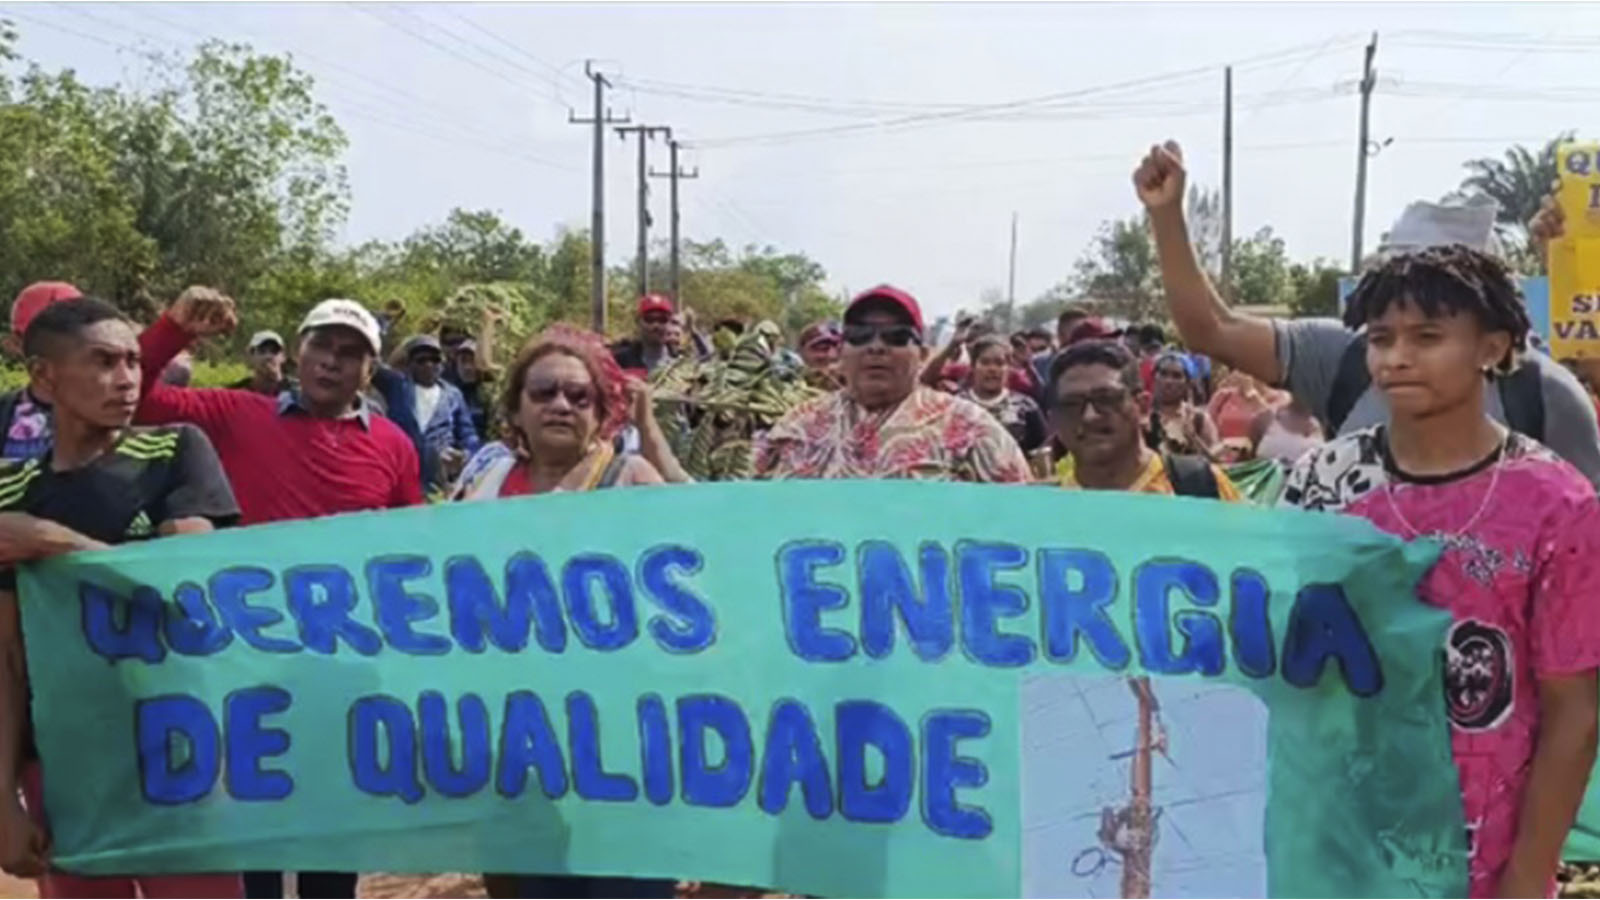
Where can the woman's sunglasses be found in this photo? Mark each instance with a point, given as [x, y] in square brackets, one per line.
[579, 396]
[891, 335]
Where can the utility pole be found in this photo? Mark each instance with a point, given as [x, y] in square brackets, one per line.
[673, 175]
[1369, 79]
[645, 133]
[1227, 184]
[597, 222]
[1011, 279]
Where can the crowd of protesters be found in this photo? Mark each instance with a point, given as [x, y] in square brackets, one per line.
[1424, 411]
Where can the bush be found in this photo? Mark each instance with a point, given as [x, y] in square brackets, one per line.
[206, 374]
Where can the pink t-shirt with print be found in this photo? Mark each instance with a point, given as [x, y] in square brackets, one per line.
[1520, 584]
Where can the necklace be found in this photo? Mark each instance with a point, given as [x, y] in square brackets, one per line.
[1494, 482]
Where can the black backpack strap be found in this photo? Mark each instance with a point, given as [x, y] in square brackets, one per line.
[1191, 476]
[1522, 399]
[1349, 383]
[613, 471]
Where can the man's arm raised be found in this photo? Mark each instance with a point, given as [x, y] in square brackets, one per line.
[1204, 321]
[198, 312]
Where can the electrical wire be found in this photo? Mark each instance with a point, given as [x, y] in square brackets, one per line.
[1165, 79]
[401, 27]
[556, 72]
[554, 95]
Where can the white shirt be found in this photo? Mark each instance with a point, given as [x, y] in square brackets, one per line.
[427, 402]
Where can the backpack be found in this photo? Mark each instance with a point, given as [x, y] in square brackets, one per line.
[1191, 476]
[613, 471]
[1521, 393]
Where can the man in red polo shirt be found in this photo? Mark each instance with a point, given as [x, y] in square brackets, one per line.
[314, 452]
[317, 451]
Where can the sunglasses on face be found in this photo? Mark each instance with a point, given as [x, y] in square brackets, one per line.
[544, 390]
[891, 335]
[1105, 401]
[657, 318]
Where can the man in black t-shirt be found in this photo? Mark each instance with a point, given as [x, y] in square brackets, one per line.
[102, 483]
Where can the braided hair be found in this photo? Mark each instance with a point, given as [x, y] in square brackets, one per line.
[1442, 281]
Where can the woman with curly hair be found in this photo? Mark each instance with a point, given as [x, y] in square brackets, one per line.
[563, 401]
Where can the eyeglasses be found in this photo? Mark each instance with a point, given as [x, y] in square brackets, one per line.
[580, 396]
[1106, 401]
[891, 335]
[659, 318]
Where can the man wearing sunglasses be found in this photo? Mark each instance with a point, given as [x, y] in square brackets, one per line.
[1098, 408]
[882, 423]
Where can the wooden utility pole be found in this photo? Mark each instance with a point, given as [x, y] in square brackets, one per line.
[1369, 79]
[645, 133]
[1227, 184]
[674, 174]
[597, 224]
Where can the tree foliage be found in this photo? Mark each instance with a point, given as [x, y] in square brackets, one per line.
[1314, 288]
[224, 168]
[1261, 270]
[1118, 272]
[1518, 182]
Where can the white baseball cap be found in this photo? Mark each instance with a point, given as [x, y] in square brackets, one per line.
[348, 313]
[265, 337]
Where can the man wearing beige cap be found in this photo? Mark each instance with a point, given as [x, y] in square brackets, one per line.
[266, 356]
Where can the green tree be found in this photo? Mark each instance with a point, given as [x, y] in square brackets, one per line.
[64, 211]
[1314, 288]
[231, 165]
[1118, 271]
[1261, 270]
[1518, 183]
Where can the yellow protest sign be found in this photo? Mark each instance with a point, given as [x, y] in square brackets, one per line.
[1575, 258]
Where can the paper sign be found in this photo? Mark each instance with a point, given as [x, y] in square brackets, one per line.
[833, 688]
[1575, 257]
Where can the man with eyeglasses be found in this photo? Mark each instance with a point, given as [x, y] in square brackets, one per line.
[1098, 410]
[882, 423]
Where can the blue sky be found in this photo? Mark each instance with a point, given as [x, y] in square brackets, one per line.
[465, 105]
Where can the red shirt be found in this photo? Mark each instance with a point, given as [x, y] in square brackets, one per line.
[516, 483]
[283, 463]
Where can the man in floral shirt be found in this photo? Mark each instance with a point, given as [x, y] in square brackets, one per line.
[883, 424]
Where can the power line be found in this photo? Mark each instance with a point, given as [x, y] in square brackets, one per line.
[555, 86]
[451, 51]
[555, 71]
[1165, 78]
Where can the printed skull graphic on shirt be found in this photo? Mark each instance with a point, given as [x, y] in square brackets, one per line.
[1477, 675]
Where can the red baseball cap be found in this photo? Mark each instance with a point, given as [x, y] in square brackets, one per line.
[34, 298]
[1093, 328]
[650, 303]
[884, 293]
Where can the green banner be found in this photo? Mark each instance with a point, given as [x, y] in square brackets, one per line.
[835, 688]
